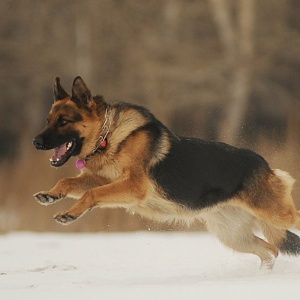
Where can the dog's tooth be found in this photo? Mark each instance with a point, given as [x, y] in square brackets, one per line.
[69, 145]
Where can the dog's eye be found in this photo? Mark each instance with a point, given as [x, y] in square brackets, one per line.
[62, 122]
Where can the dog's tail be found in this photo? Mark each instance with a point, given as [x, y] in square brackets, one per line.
[290, 245]
[287, 242]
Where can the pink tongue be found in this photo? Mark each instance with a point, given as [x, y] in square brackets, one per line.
[59, 152]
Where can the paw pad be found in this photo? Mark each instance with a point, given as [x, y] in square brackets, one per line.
[65, 218]
[45, 199]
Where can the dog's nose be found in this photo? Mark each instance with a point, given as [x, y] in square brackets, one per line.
[38, 142]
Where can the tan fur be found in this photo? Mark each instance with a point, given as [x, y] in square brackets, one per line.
[233, 226]
[268, 196]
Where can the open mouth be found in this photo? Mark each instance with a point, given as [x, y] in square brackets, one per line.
[62, 153]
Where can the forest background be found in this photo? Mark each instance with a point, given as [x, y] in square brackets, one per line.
[226, 70]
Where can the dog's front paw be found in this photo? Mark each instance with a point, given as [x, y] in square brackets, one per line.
[65, 218]
[45, 198]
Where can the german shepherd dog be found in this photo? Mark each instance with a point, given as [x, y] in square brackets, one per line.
[127, 158]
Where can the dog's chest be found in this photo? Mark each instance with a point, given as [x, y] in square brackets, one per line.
[108, 170]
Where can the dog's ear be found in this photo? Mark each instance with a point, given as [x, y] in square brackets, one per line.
[80, 91]
[59, 92]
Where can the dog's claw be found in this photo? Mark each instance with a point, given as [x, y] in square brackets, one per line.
[45, 199]
[65, 218]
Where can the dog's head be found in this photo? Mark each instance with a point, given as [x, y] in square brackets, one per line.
[74, 123]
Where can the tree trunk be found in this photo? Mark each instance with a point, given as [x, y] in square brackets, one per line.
[238, 48]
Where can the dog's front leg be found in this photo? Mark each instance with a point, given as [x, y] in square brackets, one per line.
[73, 187]
[119, 193]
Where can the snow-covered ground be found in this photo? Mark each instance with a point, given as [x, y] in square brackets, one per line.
[139, 265]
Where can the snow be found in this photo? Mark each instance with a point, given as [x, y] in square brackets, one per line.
[138, 265]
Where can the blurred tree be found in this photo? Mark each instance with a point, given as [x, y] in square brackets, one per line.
[236, 33]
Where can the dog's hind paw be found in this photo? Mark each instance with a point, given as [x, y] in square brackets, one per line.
[45, 199]
[64, 218]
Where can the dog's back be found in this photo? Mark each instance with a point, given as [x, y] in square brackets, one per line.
[201, 174]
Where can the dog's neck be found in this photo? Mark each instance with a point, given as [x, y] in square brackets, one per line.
[101, 141]
[104, 131]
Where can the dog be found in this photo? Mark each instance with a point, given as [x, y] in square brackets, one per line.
[127, 158]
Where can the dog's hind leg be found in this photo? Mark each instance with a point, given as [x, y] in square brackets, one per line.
[233, 226]
[267, 197]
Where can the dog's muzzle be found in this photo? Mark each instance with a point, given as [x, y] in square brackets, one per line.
[38, 143]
